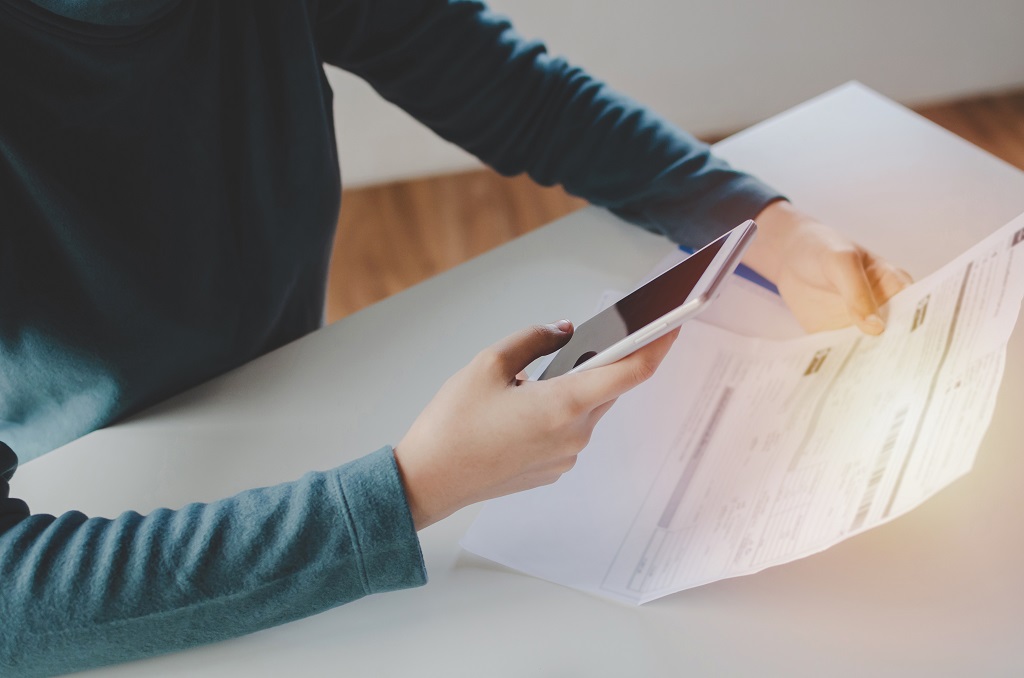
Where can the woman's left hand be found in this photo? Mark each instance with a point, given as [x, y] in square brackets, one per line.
[827, 280]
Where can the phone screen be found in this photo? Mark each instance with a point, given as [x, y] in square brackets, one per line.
[637, 309]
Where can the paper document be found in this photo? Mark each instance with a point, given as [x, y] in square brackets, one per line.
[742, 453]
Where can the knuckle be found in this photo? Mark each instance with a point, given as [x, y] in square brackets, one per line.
[643, 370]
[576, 441]
[847, 257]
[549, 478]
[488, 359]
[573, 407]
[557, 418]
[567, 406]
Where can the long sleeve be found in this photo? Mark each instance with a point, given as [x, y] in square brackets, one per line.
[466, 74]
[81, 592]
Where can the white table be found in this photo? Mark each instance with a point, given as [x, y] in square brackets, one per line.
[938, 592]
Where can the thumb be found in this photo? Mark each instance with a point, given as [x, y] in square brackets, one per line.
[512, 354]
[847, 273]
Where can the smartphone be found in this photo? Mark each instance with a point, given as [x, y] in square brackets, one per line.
[655, 308]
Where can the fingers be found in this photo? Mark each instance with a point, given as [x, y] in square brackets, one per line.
[600, 411]
[600, 385]
[886, 279]
[510, 356]
[846, 272]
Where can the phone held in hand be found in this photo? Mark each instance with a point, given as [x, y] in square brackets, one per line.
[655, 308]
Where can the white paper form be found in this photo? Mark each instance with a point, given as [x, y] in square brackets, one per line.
[742, 453]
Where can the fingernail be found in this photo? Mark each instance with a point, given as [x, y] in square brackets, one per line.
[563, 326]
[875, 321]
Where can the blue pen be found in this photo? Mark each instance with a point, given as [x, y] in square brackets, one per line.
[747, 273]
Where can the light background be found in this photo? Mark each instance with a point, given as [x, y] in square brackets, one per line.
[715, 66]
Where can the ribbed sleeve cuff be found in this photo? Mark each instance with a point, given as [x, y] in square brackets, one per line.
[382, 526]
[732, 199]
[740, 199]
[727, 199]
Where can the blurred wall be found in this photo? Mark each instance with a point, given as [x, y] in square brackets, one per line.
[719, 65]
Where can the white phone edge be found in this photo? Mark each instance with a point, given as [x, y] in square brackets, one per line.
[704, 292]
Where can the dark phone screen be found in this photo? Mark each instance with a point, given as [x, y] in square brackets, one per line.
[638, 308]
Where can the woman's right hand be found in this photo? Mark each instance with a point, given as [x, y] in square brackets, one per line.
[489, 433]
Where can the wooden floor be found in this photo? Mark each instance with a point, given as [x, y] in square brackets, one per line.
[395, 235]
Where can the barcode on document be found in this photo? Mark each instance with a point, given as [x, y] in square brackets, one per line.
[881, 464]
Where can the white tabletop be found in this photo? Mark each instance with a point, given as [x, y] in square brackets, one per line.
[937, 592]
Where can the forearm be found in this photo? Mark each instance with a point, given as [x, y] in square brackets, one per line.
[465, 73]
[82, 592]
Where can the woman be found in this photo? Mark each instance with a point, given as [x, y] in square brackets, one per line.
[170, 189]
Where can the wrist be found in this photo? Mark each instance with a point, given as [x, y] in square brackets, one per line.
[776, 225]
[411, 486]
[428, 498]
